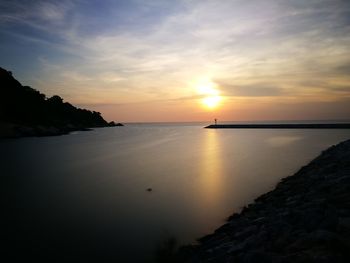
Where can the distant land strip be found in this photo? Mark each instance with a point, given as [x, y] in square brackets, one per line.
[281, 126]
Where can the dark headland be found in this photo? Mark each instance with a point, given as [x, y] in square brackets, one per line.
[25, 111]
[306, 218]
[282, 126]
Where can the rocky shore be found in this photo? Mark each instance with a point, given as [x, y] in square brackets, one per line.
[306, 218]
[9, 130]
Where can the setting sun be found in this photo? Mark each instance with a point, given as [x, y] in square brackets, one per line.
[211, 102]
[210, 94]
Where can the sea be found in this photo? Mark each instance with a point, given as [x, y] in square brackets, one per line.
[127, 194]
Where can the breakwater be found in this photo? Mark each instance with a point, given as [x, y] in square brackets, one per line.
[306, 218]
[282, 126]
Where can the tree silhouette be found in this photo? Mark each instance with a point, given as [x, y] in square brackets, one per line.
[26, 106]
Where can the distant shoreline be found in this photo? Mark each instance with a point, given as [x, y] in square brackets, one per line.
[12, 130]
[15, 131]
[281, 126]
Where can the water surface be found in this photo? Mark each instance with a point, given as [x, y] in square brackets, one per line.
[84, 194]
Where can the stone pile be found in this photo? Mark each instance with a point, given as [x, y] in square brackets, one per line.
[306, 218]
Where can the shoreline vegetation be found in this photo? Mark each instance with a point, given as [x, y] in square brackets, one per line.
[25, 111]
[306, 218]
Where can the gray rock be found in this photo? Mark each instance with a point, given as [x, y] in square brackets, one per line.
[305, 219]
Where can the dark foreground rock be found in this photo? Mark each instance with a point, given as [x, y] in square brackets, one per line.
[306, 218]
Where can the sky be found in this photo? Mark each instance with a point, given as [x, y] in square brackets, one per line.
[185, 60]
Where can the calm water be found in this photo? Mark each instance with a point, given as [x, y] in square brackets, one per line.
[84, 194]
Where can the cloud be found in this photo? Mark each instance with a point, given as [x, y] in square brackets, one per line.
[345, 90]
[153, 50]
[250, 90]
[343, 69]
[38, 14]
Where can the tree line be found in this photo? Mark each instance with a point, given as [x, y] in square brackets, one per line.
[27, 106]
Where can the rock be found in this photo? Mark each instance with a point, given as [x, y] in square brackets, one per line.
[306, 218]
[330, 220]
[236, 247]
[246, 232]
[344, 224]
[257, 256]
[319, 239]
[113, 124]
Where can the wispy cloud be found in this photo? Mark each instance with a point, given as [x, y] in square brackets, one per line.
[149, 50]
[251, 90]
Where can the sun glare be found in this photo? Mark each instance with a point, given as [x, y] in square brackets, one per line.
[211, 102]
[211, 95]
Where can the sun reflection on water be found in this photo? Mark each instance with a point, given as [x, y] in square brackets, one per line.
[211, 170]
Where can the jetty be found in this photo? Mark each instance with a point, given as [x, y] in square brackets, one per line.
[281, 126]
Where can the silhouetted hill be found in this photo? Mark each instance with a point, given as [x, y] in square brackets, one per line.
[25, 111]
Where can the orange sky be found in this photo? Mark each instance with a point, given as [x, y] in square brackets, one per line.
[148, 61]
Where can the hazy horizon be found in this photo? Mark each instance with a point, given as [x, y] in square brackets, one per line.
[184, 60]
[242, 121]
